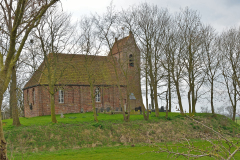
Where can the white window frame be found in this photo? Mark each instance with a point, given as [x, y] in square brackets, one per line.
[61, 96]
[97, 95]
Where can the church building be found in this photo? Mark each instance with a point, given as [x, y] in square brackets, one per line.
[74, 73]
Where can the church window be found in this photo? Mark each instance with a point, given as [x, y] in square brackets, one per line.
[97, 94]
[131, 60]
[61, 96]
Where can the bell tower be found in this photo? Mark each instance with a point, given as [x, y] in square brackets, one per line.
[128, 55]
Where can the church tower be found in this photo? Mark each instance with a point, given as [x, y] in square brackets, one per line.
[128, 56]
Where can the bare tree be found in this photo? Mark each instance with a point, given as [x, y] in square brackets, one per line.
[127, 21]
[229, 48]
[90, 48]
[151, 23]
[53, 36]
[211, 59]
[173, 58]
[107, 30]
[191, 29]
[146, 83]
[168, 62]
[13, 98]
[18, 19]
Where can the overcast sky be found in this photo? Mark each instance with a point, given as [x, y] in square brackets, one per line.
[221, 14]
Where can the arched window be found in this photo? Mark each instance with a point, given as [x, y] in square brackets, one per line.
[97, 94]
[131, 61]
[61, 96]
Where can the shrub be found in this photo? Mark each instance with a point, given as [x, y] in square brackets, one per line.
[169, 118]
[98, 125]
[196, 127]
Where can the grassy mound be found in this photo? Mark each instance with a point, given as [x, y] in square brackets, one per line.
[80, 131]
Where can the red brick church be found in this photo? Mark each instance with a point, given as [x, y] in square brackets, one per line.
[73, 76]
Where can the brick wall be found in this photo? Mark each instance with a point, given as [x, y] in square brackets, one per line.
[76, 98]
[29, 101]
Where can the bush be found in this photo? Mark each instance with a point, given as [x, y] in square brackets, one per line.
[169, 118]
[98, 125]
[196, 127]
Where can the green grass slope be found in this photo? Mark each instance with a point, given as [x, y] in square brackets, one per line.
[78, 131]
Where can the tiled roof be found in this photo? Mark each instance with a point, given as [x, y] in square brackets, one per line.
[35, 77]
[118, 45]
[73, 69]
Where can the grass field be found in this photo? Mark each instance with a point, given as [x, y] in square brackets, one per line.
[75, 118]
[77, 136]
[111, 153]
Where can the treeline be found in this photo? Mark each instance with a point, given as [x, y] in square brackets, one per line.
[185, 56]
[179, 54]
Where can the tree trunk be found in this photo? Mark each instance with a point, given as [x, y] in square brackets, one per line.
[169, 87]
[234, 113]
[147, 117]
[52, 102]
[152, 97]
[121, 98]
[212, 107]
[127, 117]
[3, 143]
[93, 102]
[11, 92]
[189, 102]
[166, 105]
[169, 93]
[119, 87]
[121, 101]
[155, 100]
[10, 105]
[176, 82]
[190, 81]
[179, 97]
[129, 109]
[193, 95]
[13, 95]
[94, 110]
[235, 100]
